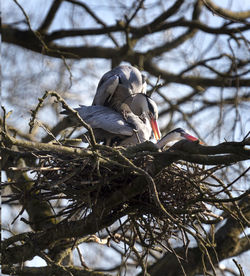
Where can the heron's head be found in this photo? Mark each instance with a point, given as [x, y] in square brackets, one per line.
[175, 135]
[142, 105]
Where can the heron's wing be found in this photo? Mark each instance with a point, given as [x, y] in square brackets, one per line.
[127, 76]
[132, 78]
[106, 88]
[102, 117]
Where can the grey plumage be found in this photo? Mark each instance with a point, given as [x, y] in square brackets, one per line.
[104, 118]
[118, 85]
[110, 126]
[173, 136]
[121, 111]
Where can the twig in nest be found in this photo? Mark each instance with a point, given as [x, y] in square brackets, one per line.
[92, 141]
[48, 131]
[239, 268]
[81, 258]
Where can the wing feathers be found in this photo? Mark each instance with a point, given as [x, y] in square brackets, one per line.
[98, 116]
[105, 90]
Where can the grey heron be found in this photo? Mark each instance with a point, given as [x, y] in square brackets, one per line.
[175, 135]
[133, 125]
[118, 85]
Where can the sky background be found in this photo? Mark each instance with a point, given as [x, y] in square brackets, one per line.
[35, 74]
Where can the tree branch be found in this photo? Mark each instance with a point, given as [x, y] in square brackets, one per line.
[225, 13]
[50, 270]
[50, 16]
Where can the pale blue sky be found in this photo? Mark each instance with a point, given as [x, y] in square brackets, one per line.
[87, 84]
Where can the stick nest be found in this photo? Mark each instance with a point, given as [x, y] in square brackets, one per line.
[149, 205]
[87, 182]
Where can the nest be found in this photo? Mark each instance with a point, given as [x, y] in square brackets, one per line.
[84, 181]
[108, 182]
[152, 205]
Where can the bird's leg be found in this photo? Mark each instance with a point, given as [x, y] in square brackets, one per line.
[107, 142]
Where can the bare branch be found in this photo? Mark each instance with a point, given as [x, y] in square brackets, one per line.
[225, 13]
[50, 16]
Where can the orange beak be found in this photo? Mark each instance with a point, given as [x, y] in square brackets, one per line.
[191, 138]
[155, 129]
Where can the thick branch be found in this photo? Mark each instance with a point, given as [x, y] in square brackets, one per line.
[50, 270]
[235, 16]
[225, 153]
[75, 229]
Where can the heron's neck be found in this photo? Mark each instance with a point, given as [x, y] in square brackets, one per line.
[138, 104]
[170, 137]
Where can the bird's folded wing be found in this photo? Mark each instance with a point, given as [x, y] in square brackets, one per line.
[98, 116]
[106, 88]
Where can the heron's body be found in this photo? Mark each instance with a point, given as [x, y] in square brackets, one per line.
[121, 111]
[112, 127]
[118, 85]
